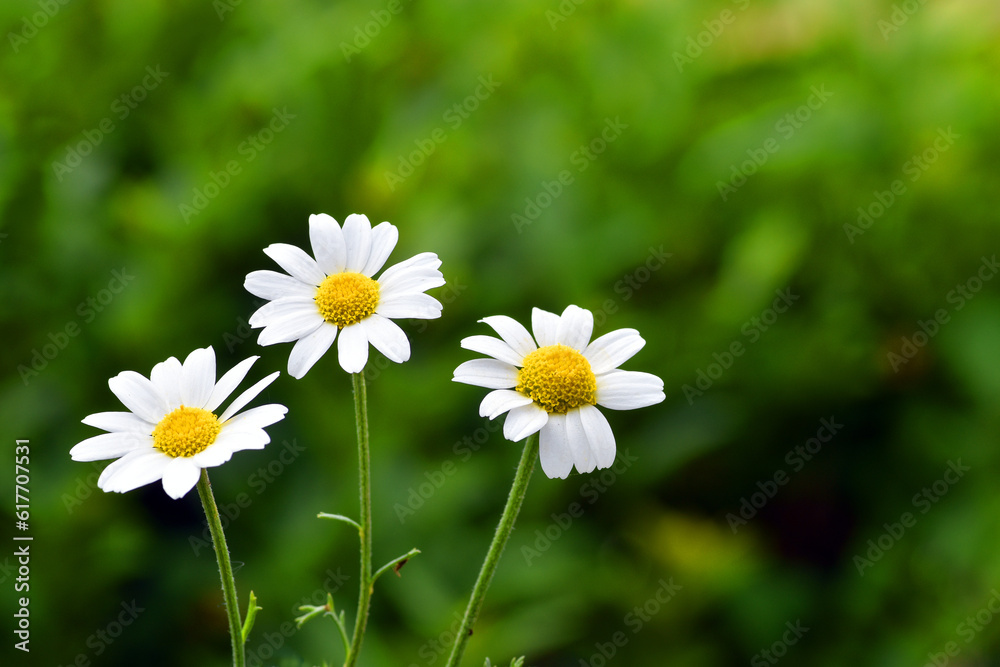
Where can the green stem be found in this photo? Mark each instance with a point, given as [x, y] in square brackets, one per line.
[225, 568]
[364, 473]
[339, 620]
[395, 564]
[504, 529]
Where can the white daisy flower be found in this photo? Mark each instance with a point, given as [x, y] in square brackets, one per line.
[336, 292]
[171, 431]
[553, 386]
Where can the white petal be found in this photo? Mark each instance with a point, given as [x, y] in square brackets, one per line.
[599, 435]
[384, 238]
[139, 395]
[291, 328]
[513, 333]
[214, 455]
[412, 282]
[110, 446]
[228, 383]
[133, 470]
[488, 373]
[296, 262]
[352, 349]
[327, 240]
[113, 468]
[284, 307]
[118, 422]
[628, 390]
[584, 456]
[494, 347]
[553, 448]
[273, 285]
[256, 418]
[413, 275]
[575, 327]
[358, 237]
[199, 377]
[545, 326]
[424, 264]
[407, 306]
[237, 441]
[523, 421]
[247, 396]
[309, 348]
[613, 349]
[386, 337]
[500, 401]
[180, 476]
[168, 378]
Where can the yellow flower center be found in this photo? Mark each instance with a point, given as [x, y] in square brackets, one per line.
[346, 298]
[186, 431]
[558, 378]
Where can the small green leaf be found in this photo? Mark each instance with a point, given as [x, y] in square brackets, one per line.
[311, 612]
[339, 517]
[252, 610]
[516, 662]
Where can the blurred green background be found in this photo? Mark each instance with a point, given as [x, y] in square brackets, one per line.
[550, 153]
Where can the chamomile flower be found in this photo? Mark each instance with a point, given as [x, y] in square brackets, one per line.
[171, 430]
[554, 385]
[335, 292]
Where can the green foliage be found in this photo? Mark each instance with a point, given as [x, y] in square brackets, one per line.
[799, 221]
